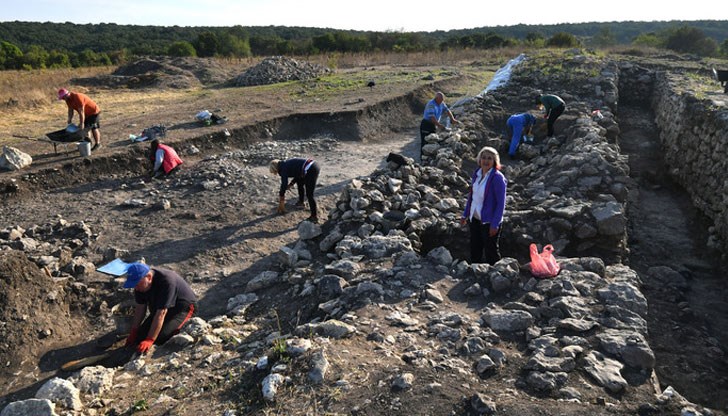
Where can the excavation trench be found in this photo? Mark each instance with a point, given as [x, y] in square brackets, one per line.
[377, 122]
[688, 318]
[688, 312]
[682, 278]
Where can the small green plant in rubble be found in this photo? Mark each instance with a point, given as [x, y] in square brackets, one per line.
[279, 350]
[139, 406]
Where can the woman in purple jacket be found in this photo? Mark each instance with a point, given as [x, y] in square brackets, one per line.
[485, 207]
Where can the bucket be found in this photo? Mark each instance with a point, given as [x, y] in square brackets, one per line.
[84, 148]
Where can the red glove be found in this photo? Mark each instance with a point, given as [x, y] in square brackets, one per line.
[145, 345]
[132, 337]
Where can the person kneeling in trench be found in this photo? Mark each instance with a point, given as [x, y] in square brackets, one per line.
[164, 158]
[169, 299]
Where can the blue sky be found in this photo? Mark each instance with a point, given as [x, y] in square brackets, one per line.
[377, 15]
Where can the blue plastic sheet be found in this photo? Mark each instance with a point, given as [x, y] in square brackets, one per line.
[115, 268]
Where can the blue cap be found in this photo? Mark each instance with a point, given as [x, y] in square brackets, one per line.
[134, 274]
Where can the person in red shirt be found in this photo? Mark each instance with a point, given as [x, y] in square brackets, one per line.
[165, 159]
[88, 112]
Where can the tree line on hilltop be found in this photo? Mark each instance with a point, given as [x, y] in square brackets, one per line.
[31, 45]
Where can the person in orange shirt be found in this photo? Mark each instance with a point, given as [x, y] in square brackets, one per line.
[88, 112]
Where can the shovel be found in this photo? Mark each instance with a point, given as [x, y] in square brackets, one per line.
[84, 362]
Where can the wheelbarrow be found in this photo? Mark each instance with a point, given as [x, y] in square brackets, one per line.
[62, 136]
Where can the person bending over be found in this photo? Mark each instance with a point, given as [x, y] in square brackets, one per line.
[553, 107]
[164, 158]
[304, 173]
[89, 112]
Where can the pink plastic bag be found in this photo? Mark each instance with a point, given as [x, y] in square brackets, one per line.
[543, 264]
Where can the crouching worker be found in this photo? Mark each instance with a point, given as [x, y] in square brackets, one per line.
[164, 158]
[518, 127]
[303, 172]
[169, 299]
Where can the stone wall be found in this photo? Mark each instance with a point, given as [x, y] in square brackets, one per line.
[694, 136]
[636, 83]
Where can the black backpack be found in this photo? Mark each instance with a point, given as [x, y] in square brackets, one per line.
[154, 132]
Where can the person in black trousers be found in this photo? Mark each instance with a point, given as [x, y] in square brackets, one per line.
[434, 109]
[553, 107]
[166, 296]
[304, 173]
[485, 207]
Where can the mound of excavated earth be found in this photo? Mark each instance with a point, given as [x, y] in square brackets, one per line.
[33, 310]
[164, 72]
[279, 69]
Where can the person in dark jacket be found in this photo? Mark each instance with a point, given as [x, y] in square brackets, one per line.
[304, 173]
[553, 107]
[485, 207]
[169, 300]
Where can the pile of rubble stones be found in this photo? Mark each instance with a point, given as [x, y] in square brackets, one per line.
[279, 69]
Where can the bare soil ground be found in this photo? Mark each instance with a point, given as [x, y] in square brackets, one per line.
[222, 234]
[218, 238]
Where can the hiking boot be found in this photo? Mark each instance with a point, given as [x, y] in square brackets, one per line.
[300, 204]
[96, 147]
[313, 219]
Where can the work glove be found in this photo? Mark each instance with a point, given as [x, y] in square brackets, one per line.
[132, 337]
[281, 208]
[145, 345]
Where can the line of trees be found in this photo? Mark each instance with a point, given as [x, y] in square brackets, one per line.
[110, 44]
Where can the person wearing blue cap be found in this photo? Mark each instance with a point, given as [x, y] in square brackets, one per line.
[519, 125]
[169, 299]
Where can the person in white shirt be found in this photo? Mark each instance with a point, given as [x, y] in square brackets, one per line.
[485, 207]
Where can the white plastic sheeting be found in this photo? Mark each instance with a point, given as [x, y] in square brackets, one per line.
[501, 77]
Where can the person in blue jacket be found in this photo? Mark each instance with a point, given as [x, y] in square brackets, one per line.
[304, 173]
[519, 125]
[434, 109]
[485, 207]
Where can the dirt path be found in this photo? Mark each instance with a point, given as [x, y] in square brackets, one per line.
[688, 317]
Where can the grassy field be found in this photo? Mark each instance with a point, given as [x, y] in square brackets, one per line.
[31, 89]
[31, 105]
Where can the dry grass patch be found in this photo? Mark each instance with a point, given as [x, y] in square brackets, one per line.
[31, 107]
